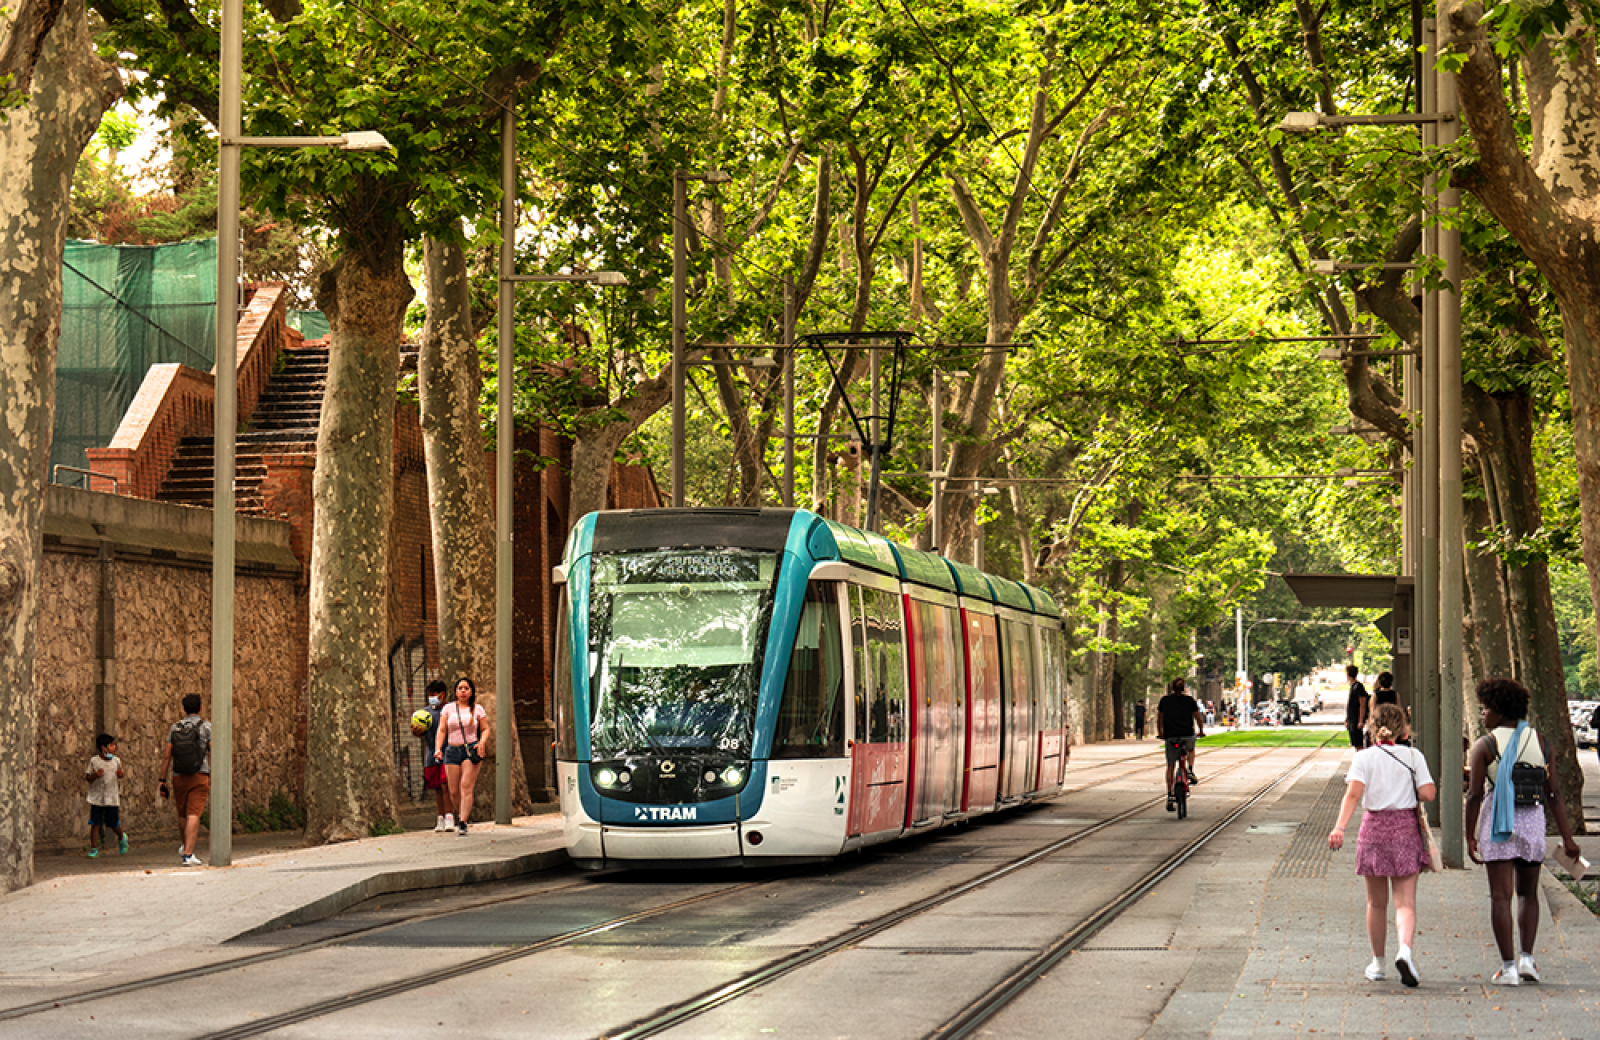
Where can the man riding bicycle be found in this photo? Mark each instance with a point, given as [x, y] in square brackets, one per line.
[1178, 723]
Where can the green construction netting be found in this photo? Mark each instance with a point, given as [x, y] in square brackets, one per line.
[311, 324]
[125, 308]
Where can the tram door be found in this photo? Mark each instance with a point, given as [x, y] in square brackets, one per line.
[981, 780]
[1052, 738]
[939, 706]
[878, 755]
[1019, 762]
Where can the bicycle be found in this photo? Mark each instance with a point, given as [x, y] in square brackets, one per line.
[1180, 782]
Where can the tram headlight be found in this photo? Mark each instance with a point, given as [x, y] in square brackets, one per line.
[605, 778]
[732, 775]
[624, 777]
[710, 777]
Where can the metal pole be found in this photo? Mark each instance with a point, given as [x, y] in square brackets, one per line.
[225, 417]
[938, 461]
[1426, 660]
[874, 450]
[505, 447]
[788, 391]
[1451, 565]
[680, 319]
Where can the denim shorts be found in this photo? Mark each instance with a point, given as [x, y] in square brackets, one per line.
[455, 754]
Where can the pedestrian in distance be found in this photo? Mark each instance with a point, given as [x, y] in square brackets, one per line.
[1139, 711]
[461, 745]
[1594, 724]
[1388, 779]
[1510, 839]
[1357, 708]
[105, 812]
[433, 778]
[1178, 724]
[187, 760]
[1385, 693]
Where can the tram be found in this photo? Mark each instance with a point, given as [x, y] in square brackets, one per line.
[758, 686]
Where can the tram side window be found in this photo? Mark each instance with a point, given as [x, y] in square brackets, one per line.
[886, 698]
[561, 685]
[811, 718]
[858, 651]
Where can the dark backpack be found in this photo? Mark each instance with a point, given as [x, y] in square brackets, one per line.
[188, 749]
[1527, 780]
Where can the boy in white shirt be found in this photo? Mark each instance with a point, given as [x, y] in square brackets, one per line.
[105, 769]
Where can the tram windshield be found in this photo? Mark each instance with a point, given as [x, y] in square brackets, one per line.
[674, 649]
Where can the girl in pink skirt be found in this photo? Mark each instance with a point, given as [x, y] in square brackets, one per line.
[1514, 853]
[1387, 779]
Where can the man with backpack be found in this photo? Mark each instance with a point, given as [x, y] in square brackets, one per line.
[187, 760]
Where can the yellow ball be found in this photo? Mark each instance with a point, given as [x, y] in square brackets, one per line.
[421, 719]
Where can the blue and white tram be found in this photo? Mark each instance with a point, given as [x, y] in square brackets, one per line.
[749, 686]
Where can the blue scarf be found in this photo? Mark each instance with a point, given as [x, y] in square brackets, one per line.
[1503, 817]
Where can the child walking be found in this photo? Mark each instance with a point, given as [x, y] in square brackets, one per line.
[105, 769]
[1388, 780]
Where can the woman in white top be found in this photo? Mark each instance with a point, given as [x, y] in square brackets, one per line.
[1512, 855]
[1388, 779]
[463, 734]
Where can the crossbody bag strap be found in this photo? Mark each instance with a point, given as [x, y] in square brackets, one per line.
[1415, 787]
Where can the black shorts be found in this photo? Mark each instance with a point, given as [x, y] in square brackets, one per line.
[105, 816]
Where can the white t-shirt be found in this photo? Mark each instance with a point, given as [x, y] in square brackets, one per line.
[103, 788]
[1382, 768]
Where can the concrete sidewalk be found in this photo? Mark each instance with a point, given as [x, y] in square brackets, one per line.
[80, 924]
[1279, 929]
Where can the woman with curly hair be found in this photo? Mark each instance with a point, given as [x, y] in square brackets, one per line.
[1388, 779]
[1510, 839]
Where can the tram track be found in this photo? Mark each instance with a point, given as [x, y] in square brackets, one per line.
[646, 1027]
[1003, 993]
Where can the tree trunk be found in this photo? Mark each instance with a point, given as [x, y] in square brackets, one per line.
[596, 445]
[1504, 432]
[67, 88]
[349, 746]
[460, 508]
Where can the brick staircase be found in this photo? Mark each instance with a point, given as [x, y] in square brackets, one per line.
[284, 423]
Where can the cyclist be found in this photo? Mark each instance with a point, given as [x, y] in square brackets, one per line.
[1178, 723]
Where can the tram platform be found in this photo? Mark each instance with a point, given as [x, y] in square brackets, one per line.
[1271, 943]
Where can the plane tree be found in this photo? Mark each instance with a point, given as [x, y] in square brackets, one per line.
[53, 91]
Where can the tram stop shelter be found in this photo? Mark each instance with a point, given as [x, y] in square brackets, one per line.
[1387, 591]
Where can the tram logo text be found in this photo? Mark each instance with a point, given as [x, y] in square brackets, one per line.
[654, 814]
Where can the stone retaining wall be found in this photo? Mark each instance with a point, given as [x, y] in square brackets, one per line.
[125, 632]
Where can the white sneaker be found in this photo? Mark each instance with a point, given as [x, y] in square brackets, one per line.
[192, 861]
[449, 820]
[1375, 971]
[1507, 976]
[1407, 968]
[441, 825]
[1527, 971]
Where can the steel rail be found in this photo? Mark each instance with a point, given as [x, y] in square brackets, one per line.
[250, 960]
[698, 1005]
[980, 1011]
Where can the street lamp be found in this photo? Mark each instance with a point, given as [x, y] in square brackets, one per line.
[505, 444]
[1440, 567]
[230, 144]
[680, 311]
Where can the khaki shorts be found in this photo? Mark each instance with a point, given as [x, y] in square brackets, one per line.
[190, 793]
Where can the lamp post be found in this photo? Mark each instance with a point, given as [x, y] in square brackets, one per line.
[230, 144]
[1440, 569]
[680, 312]
[505, 444]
